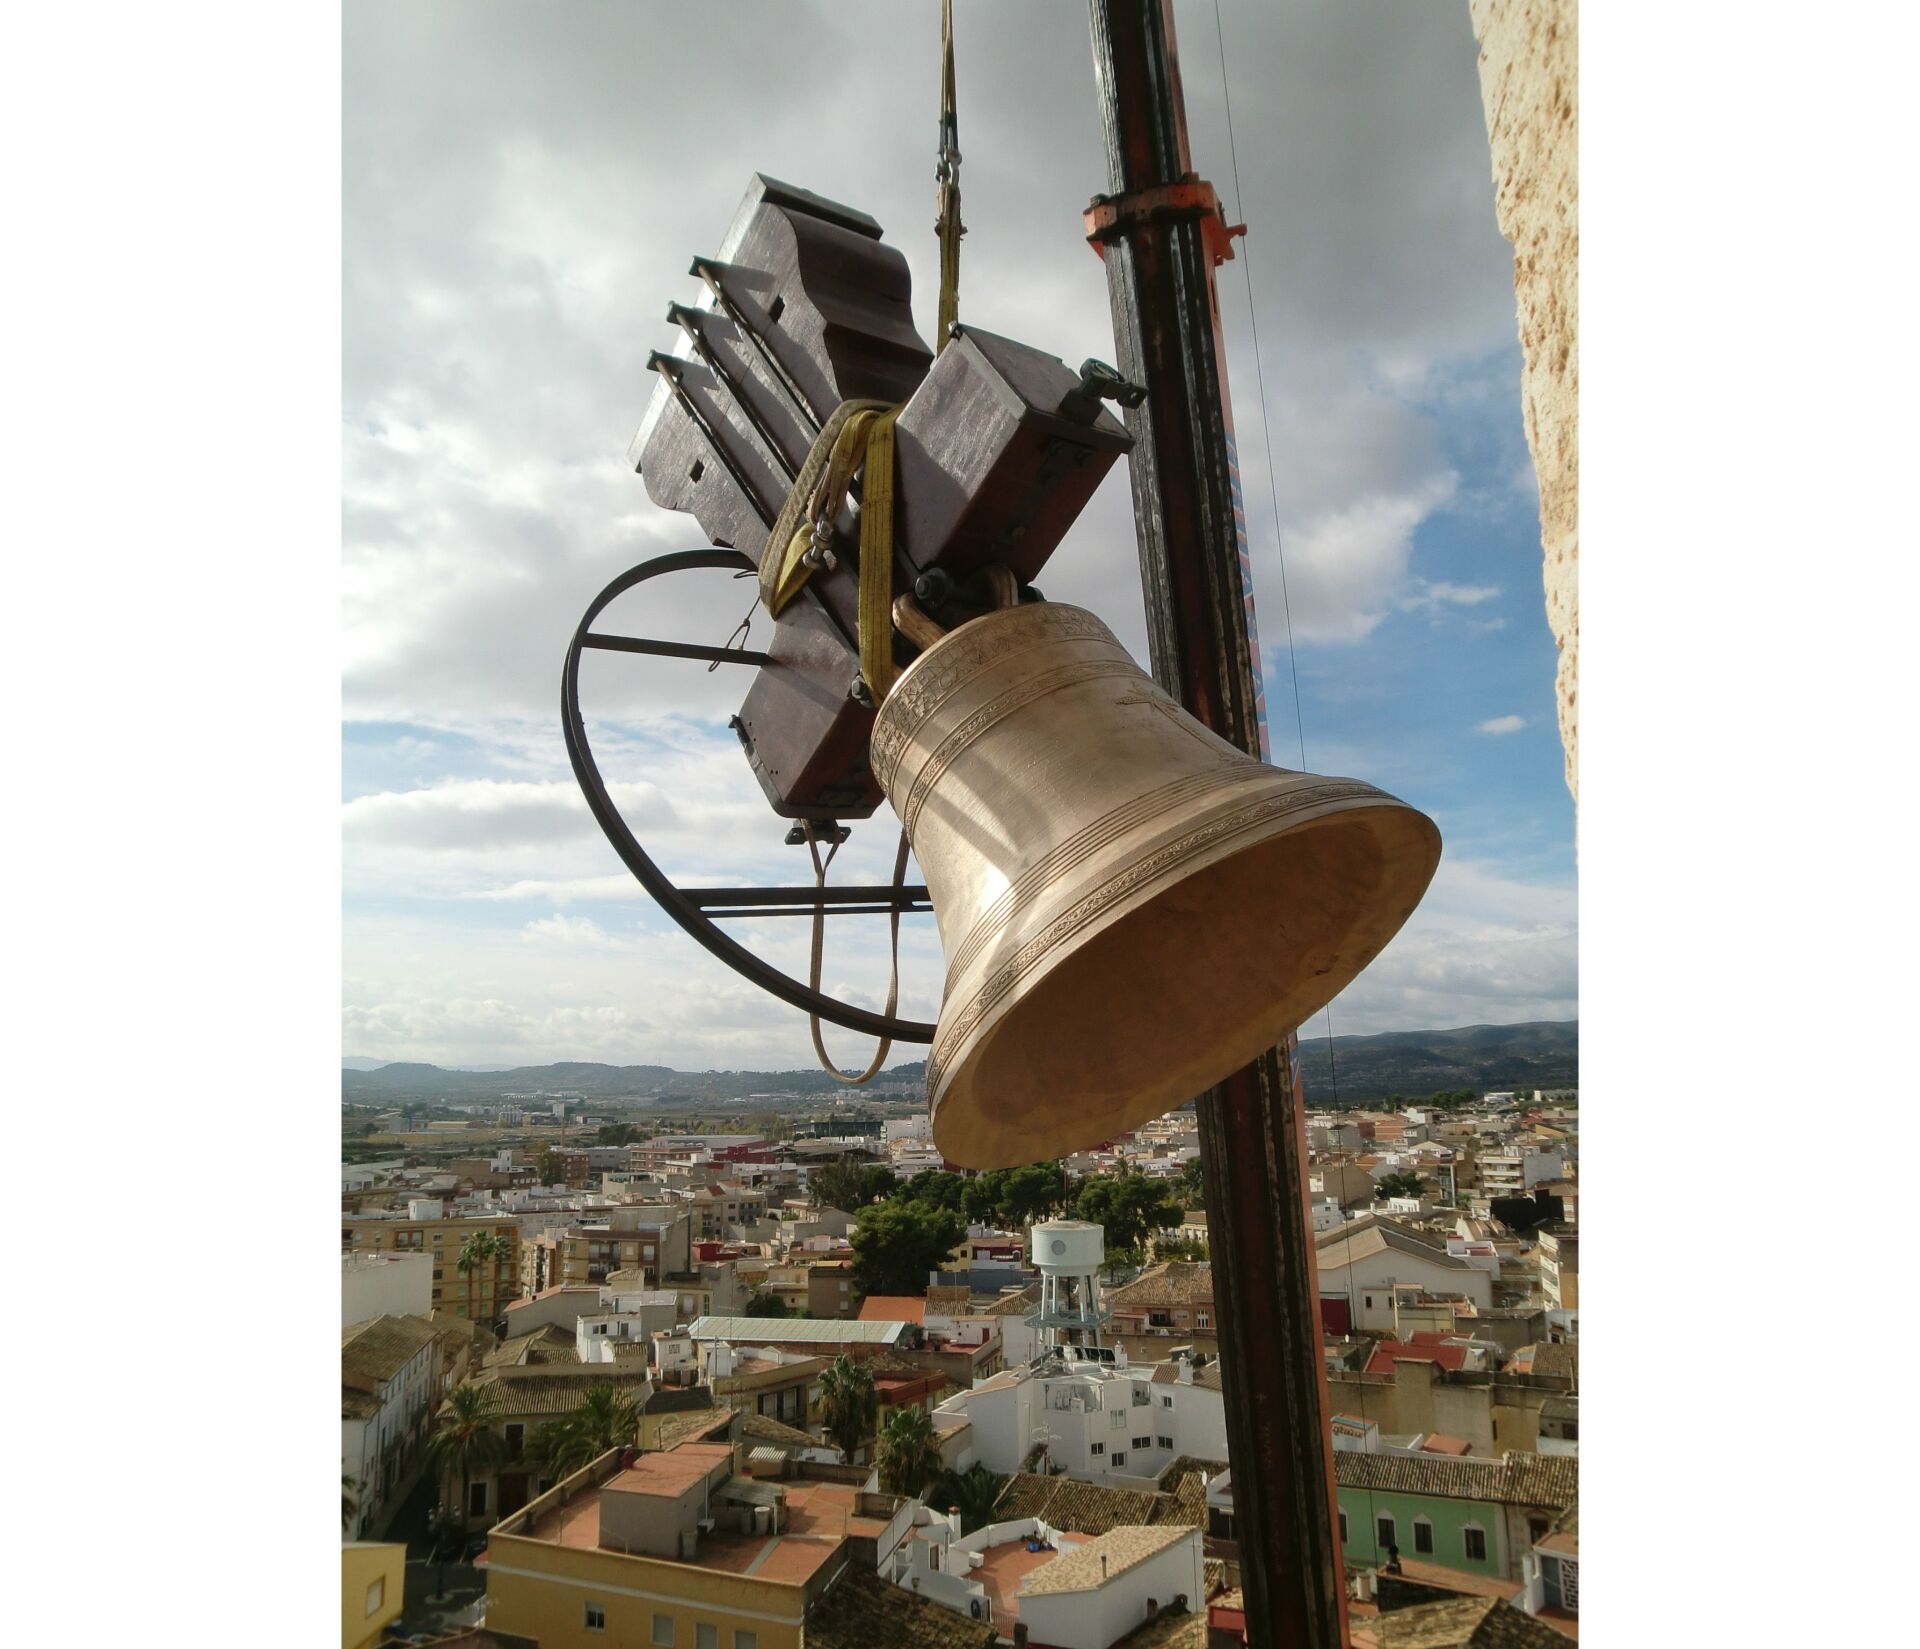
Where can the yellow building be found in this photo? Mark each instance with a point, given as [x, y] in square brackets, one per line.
[373, 1579]
[483, 1295]
[659, 1552]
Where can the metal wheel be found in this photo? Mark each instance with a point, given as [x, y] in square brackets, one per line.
[698, 909]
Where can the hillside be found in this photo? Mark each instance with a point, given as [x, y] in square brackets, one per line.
[1541, 1054]
[1413, 1064]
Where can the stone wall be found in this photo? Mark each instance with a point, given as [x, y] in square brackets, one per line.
[1529, 83]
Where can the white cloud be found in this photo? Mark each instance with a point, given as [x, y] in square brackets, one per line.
[515, 221]
[1345, 565]
[1483, 948]
[1428, 596]
[1502, 724]
[572, 930]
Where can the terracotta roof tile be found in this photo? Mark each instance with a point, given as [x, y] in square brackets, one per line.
[1172, 1282]
[1091, 1508]
[863, 1611]
[1170, 1629]
[1091, 1564]
[1513, 1480]
[554, 1388]
[379, 1348]
[1463, 1623]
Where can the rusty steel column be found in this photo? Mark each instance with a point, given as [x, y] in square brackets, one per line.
[1159, 247]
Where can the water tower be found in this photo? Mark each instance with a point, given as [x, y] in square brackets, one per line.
[1069, 1255]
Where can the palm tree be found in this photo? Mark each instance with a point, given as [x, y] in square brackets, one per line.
[848, 1403]
[464, 1437]
[349, 1499]
[603, 1419]
[480, 1252]
[975, 1491]
[909, 1451]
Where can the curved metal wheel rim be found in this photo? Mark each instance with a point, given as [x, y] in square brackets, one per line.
[662, 890]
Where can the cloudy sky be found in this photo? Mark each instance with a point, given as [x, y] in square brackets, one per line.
[523, 187]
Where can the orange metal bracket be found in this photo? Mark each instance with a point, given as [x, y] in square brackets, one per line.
[1108, 217]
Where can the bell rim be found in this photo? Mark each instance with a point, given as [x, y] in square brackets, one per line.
[1053, 944]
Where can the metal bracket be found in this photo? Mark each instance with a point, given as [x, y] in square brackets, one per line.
[1112, 217]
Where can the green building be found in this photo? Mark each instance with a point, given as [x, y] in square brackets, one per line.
[1481, 1517]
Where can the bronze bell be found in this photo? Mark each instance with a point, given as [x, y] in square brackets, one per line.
[1130, 907]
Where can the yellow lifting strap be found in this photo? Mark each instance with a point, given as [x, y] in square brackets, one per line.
[858, 437]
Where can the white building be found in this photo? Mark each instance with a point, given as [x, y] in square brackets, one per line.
[1100, 1421]
[1094, 1592]
[1360, 1268]
[384, 1285]
[389, 1384]
[633, 1317]
[1513, 1170]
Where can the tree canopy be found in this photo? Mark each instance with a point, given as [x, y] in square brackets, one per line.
[975, 1492]
[1130, 1206]
[851, 1185]
[1403, 1184]
[909, 1451]
[603, 1419]
[896, 1243]
[848, 1403]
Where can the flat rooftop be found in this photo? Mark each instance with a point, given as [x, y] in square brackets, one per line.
[1003, 1567]
[672, 1473]
[819, 1517]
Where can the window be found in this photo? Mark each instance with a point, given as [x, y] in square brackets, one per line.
[596, 1618]
[516, 1439]
[1384, 1532]
[1099, 1448]
[1163, 1442]
[376, 1593]
[1143, 1442]
[477, 1500]
[1166, 1402]
[706, 1636]
[1422, 1535]
[1119, 1460]
[1203, 1319]
[1117, 1419]
[1536, 1530]
[663, 1631]
[1343, 1528]
[743, 1639]
[1475, 1539]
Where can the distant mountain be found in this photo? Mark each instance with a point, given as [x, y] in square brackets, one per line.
[360, 1063]
[405, 1080]
[1542, 1053]
[1412, 1064]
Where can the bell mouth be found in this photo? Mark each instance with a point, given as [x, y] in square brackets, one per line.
[1179, 990]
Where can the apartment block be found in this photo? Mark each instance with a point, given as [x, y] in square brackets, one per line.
[482, 1294]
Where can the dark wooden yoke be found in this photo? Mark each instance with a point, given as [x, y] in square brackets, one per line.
[999, 447]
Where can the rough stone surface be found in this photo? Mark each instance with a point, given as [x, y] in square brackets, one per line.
[1529, 83]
